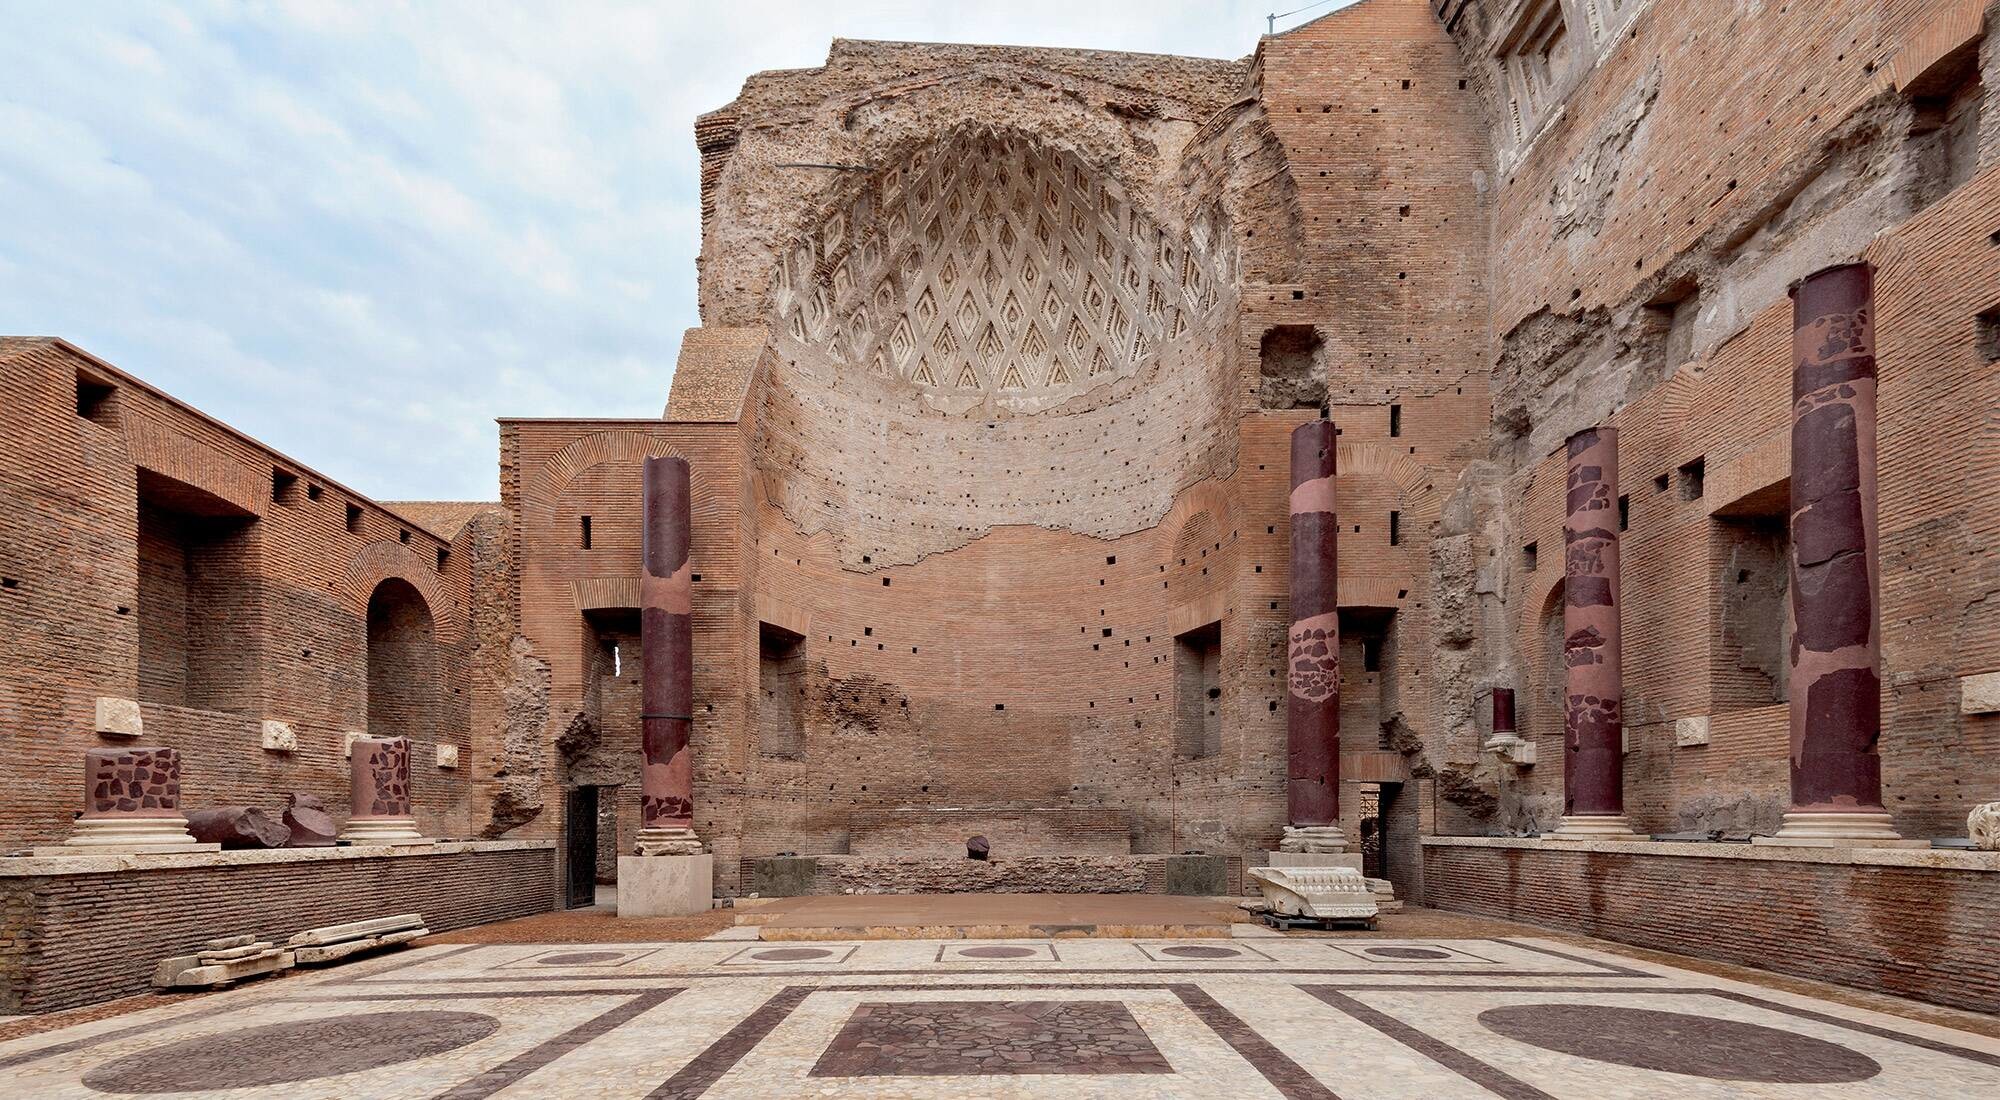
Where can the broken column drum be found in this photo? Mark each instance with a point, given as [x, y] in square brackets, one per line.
[1312, 678]
[380, 774]
[131, 799]
[666, 599]
[1835, 684]
[1593, 689]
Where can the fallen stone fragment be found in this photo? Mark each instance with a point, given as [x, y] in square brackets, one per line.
[310, 824]
[236, 827]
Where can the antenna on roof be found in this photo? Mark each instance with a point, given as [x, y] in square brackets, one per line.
[1271, 23]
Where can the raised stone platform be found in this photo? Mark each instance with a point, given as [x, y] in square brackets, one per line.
[88, 928]
[1912, 922]
[1013, 831]
[990, 916]
[780, 876]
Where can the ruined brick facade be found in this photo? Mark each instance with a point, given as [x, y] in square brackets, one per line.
[988, 426]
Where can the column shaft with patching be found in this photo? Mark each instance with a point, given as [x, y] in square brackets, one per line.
[1312, 680]
[1593, 682]
[666, 600]
[1835, 683]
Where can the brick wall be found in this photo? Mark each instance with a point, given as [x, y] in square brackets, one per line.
[72, 939]
[149, 552]
[1895, 927]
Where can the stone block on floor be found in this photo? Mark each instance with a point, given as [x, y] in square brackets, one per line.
[780, 876]
[1198, 875]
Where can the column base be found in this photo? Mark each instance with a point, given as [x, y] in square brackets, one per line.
[384, 830]
[672, 840]
[1512, 749]
[1351, 860]
[1313, 839]
[1593, 827]
[1838, 830]
[96, 836]
[665, 885]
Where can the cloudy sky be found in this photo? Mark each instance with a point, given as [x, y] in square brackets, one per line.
[361, 231]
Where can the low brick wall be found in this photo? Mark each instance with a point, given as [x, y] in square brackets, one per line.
[75, 930]
[1915, 923]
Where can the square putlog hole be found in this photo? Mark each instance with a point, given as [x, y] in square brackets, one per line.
[954, 1038]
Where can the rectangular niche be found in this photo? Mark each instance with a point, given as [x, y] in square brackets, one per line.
[1198, 691]
[1750, 563]
[197, 570]
[781, 691]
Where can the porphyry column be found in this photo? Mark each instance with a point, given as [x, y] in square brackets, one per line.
[131, 800]
[380, 785]
[1593, 691]
[1312, 678]
[666, 603]
[1835, 686]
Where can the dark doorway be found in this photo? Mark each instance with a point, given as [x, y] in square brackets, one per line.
[580, 827]
[1372, 862]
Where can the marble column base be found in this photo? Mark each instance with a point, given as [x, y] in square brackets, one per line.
[665, 886]
[91, 836]
[1593, 827]
[1315, 839]
[1838, 830]
[668, 841]
[1350, 860]
[384, 830]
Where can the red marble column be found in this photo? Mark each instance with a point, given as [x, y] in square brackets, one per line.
[1593, 693]
[666, 599]
[1312, 714]
[379, 786]
[1835, 686]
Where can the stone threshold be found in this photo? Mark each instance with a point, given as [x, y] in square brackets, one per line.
[1940, 859]
[111, 862]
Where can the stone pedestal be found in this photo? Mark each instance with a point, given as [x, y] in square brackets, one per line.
[381, 791]
[665, 886]
[131, 801]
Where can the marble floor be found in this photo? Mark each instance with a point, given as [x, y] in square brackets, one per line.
[1074, 1019]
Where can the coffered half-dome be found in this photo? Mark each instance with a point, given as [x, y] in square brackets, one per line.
[988, 269]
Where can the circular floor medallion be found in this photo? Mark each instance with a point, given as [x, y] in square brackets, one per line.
[791, 954]
[304, 1050]
[1407, 953]
[580, 958]
[1679, 1042]
[1199, 952]
[997, 952]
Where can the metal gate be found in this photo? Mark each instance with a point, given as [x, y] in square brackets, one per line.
[580, 827]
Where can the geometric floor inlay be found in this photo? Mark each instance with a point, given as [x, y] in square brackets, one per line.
[270, 1055]
[931, 1038]
[1295, 1018]
[1678, 1042]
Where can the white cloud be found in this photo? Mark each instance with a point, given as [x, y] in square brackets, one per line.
[360, 231]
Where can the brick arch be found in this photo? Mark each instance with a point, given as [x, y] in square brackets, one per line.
[1204, 503]
[387, 559]
[1412, 481]
[627, 445]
